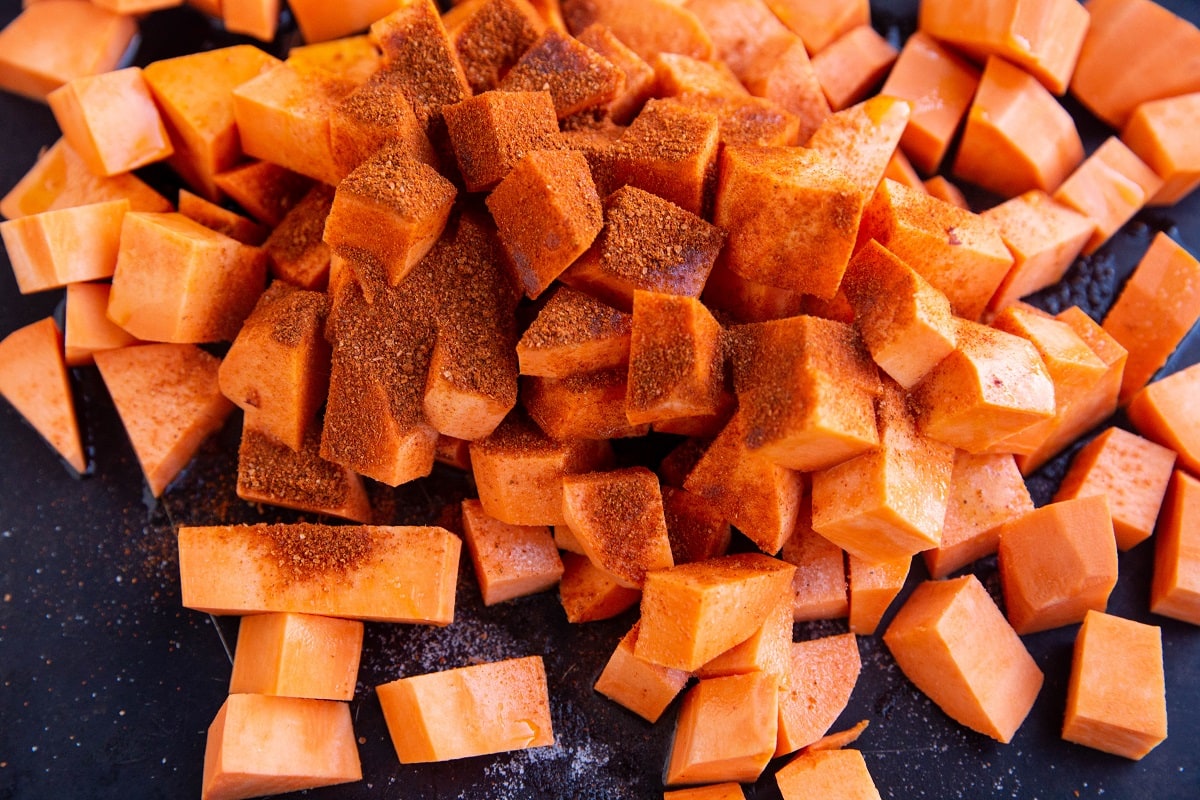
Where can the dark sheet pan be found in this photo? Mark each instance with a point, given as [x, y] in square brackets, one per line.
[107, 685]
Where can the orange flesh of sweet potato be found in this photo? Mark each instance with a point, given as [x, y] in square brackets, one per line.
[827, 773]
[1161, 413]
[1175, 591]
[726, 730]
[33, 377]
[821, 676]
[645, 689]
[297, 655]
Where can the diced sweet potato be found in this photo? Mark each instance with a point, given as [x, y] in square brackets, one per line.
[297, 655]
[353, 57]
[319, 21]
[819, 585]
[33, 377]
[638, 75]
[588, 593]
[1161, 413]
[88, 329]
[704, 751]
[646, 26]
[1108, 188]
[70, 245]
[574, 333]
[510, 560]
[276, 474]
[852, 65]
[268, 191]
[861, 140]
[1175, 591]
[645, 689]
[1155, 133]
[578, 77]
[490, 36]
[827, 773]
[296, 251]
[873, 587]
[257, 18]
[670, 150]
[696, 529]
[221, 220]
[590, 405]
[767, 649]
[780, 70]
[716, 791]
[820, 22]
[375, 115]
[821, 675]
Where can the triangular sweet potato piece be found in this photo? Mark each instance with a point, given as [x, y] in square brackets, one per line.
[33, 377]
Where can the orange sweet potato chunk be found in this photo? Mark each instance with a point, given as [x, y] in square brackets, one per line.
[490, 36]
[268, 191]
[221, 219]
[696, 529]
[820, 22]
[296, 251]
[507, 702]
[822, 673]
[647, 27]
[1108, 188]
[88, 329]
[574, 333]
[703, 751]
[1161, 413]
[510, 560]
[852, 65]
[589, 405]
[588, 593]
[297, 655]
[33, 377]
[320, 21]
[578, 77]
[716, 791]
[819, 585]
[767, 649]
[638, 76]
[873, 587]
[827, 773]
[670, 150]
[169, 402]
[861, 140]
[1175, 591]
[1155, 132]
[70, 245]
[274, 473]
[645, 689]
[492, 132]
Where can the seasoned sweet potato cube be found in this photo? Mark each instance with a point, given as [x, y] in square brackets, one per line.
[111, 121]
[68, 245]
[986, 491]
[590, 594]
[617, 517]
[510, 560]
[852, 65]
[277, 370]
[703, 750]
[676, 360]
[696, 529]
[678, 74]
[639, 78]
[780, 70]
[819, 589]
[268, 191]
[86, 328]
[572, 334]
[177, 281]
[993, 385]
[827, 773]
[792, 217]
[296, 250]
[703, 425]
[670, 150]
[748, 301]
[221, 219]
[493, 131]
[738, 28]
[960, 254]
[273, 473]
[297, 655]
[375, 115]
[33, 377]
[283, 117]
[890, 502]
[647, 243]
[490, 36]
[587, 405]
[392, 207]
[821, 677]
[645, 689]
[548, 214]
[1108, 188]
[646, 26]
[578, 77]
[519, 471]
[675, 465]
[199, 115]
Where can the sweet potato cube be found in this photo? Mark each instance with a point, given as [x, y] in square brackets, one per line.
[889, 502]
[680, 75]
[767, 649]
[680, 606]
[88, 329]
[792, 217]
[951, 640]
[375, 115]
[548, 213]
[52, 43]
[453, 452]
[836, 774]
[590, 405]
[646, 26]
[682, 459]
[703, 751]
[905, 323]
[508, 703]
[745, 120]
[268, 191]
[696, 530]
[177, 281]
[676, 359]
[319, 21]
[645, 689]
[297, 655]
[753, 492]
[274, 473]
[578, 77]
[960, 254]
[260, 744]
[715, 791]
[819, 585]
[1017, 136]
[1158, 305]
[1175, 591]
[257, 18]
[820, 22]
[901, 170]
[169, 402]
[1108, 188]
[572, 334]
[296, 250]
[1043, 40]
[986, 491]
[1116, 697]
[861, 140]
[1057, 562]
[939, 84]
[1044, 237]
[670, 150]
[33, 377]
[199, 115]
[1161, 413]
[353, 57]
[490, 36]
[221, 219]
[1130, 472]
[852, 65]
[1153, 133]
[519, 470]
[589, 594]
[493, 131]
[873, 587]
[111, 121]
[749, 301]
[738, 28]
[822, 673]
[510, 560]
[993, 385]
[69, 245]
[639, 78]
[780, 70]
[647, 243]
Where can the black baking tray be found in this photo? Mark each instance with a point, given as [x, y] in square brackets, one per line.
[107, 684]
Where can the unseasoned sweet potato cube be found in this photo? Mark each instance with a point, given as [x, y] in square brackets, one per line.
[392, 207]
[590, 594]
[490, 36]
[68, 245]
[819, 588]
[510, 560]
[901, 170]
[353, 57]
[639, 78]
[986, 491]
[820, 22]
[221, 219]
[111, 121]
[992, 386]
[177, 281]
[297, 655]
[268, 191]
[703, 751]
[199, 115]
[647, 243]
[52, 43]
[33, 377]
[676, 359]
[780, 70]
[852, 65]
[169, 402]
[696, 530]
[519, 470]
[375, 115]
[1108, 188]
[493, 131]
[572, 334]
[578, 77]
[767, 649]
[276, 474]
[905, 323]
[821, 677]
[320, 21]
[587, 405]
[827, 773]
[806, 388]
[960, 254]
[646, 26]
[617, 517]
[296, 250]
[86, 328]
[257, 18]
[283, 117]
[670, 150]
[772, 201]
[890, 502]
[277, 370]
[548, 213]
[645, 689]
